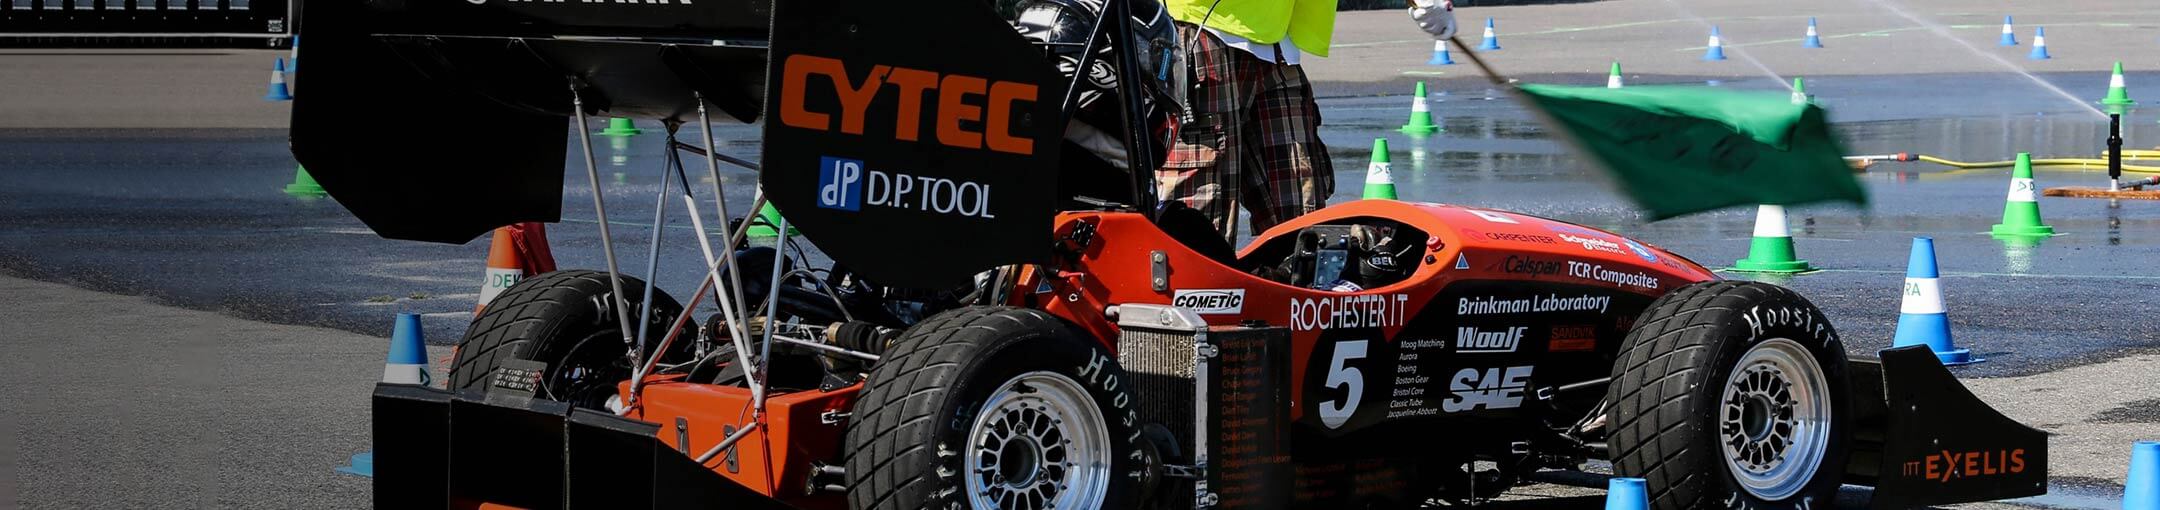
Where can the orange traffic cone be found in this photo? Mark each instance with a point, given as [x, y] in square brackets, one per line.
[503, 268]
[517, 252]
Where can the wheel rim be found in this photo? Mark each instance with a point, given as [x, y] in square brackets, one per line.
[585, 376]
[1774, 419]
[1038, 443]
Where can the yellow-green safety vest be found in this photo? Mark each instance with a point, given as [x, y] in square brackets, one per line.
[1309, 23]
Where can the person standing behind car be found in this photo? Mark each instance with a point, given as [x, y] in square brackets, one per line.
[1252, 136]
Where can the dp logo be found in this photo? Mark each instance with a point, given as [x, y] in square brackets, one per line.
[840, 183]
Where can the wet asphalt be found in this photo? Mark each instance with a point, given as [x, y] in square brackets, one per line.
[198, 218]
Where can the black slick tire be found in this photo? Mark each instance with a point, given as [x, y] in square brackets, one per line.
[1674, 399]
[908, 441]
[564, 318]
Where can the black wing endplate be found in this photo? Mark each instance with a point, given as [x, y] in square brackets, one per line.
[1923, 439]
[915, 142]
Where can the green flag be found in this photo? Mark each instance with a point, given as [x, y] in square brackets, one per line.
[1681, 150]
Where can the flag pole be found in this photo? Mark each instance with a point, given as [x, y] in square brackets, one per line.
[1478, 61]
[1559, 133]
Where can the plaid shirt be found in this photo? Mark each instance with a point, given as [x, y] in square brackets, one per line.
[1251, 139]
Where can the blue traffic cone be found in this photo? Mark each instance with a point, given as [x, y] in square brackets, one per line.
[1813, 40]
[2039, 51]
[1492, 41]
[1716, 51]
[278, 90]
[2142, 490]
[2009, 37]
[1440, 55]
[1626, 494]
[362, 464]
[407, 362]
[1922, 319]
[294, 66]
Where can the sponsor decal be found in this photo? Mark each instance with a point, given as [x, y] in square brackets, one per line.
[1494, 216]
[845, 184]
[1592, 243]
[1563, 228]
[1788, 316]
[1362, 311]
[1473, 340]
[1210, 301]
[1948, 465]
[1511, 236]
[1517, 264]
[1598, 272]
[1572, 339]
[960, 103]
[1492, 388]
[1534, 304]
[1642, 252]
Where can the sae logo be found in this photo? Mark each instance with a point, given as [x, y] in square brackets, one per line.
[840, 183]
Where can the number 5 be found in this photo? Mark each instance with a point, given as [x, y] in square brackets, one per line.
[1339, 376]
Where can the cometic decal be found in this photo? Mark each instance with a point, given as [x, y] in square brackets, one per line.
[1210, 301]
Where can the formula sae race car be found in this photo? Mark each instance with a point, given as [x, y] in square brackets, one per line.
[1011, 320]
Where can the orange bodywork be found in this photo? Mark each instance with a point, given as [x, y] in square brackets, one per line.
[776, 459]
[1117, 268]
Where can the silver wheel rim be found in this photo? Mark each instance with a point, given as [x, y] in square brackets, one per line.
[1774, 419]
[1038, 443]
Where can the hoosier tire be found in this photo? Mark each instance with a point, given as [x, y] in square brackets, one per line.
[999, 408]
[565, 319]
[1731, 395]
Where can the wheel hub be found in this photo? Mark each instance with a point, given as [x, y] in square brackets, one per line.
[1039, 443]
[1774, 419]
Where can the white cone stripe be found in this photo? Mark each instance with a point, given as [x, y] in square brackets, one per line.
[1770, 222]
[1439, 46]
[2040, 40]
[2021, 190]
[1418, 105]
[2006, 29]
[1488, 32]
[1922, 296]
[399, 373]
[1799, 97]
[1612, 81]
[1811, 30]
[1379, 173]
[2115, 81]
[496, 280]
[277, 77]
[1714, 42]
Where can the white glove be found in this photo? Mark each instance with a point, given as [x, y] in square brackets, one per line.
[1437, 17]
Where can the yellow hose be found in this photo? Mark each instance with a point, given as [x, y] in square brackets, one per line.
[2077, 163]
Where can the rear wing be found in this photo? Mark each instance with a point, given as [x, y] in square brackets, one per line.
[495, 78]
[939, 162]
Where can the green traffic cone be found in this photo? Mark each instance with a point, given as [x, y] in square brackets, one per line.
[1772, 249]
[1612, 79]
[1799, 91]
[303, 185]
[1421, 122]
[2118, 95]
[1379, 178]
[618, 126]
[2021, 214]
[764, 229]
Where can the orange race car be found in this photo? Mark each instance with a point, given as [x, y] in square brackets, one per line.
[1012, 321]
